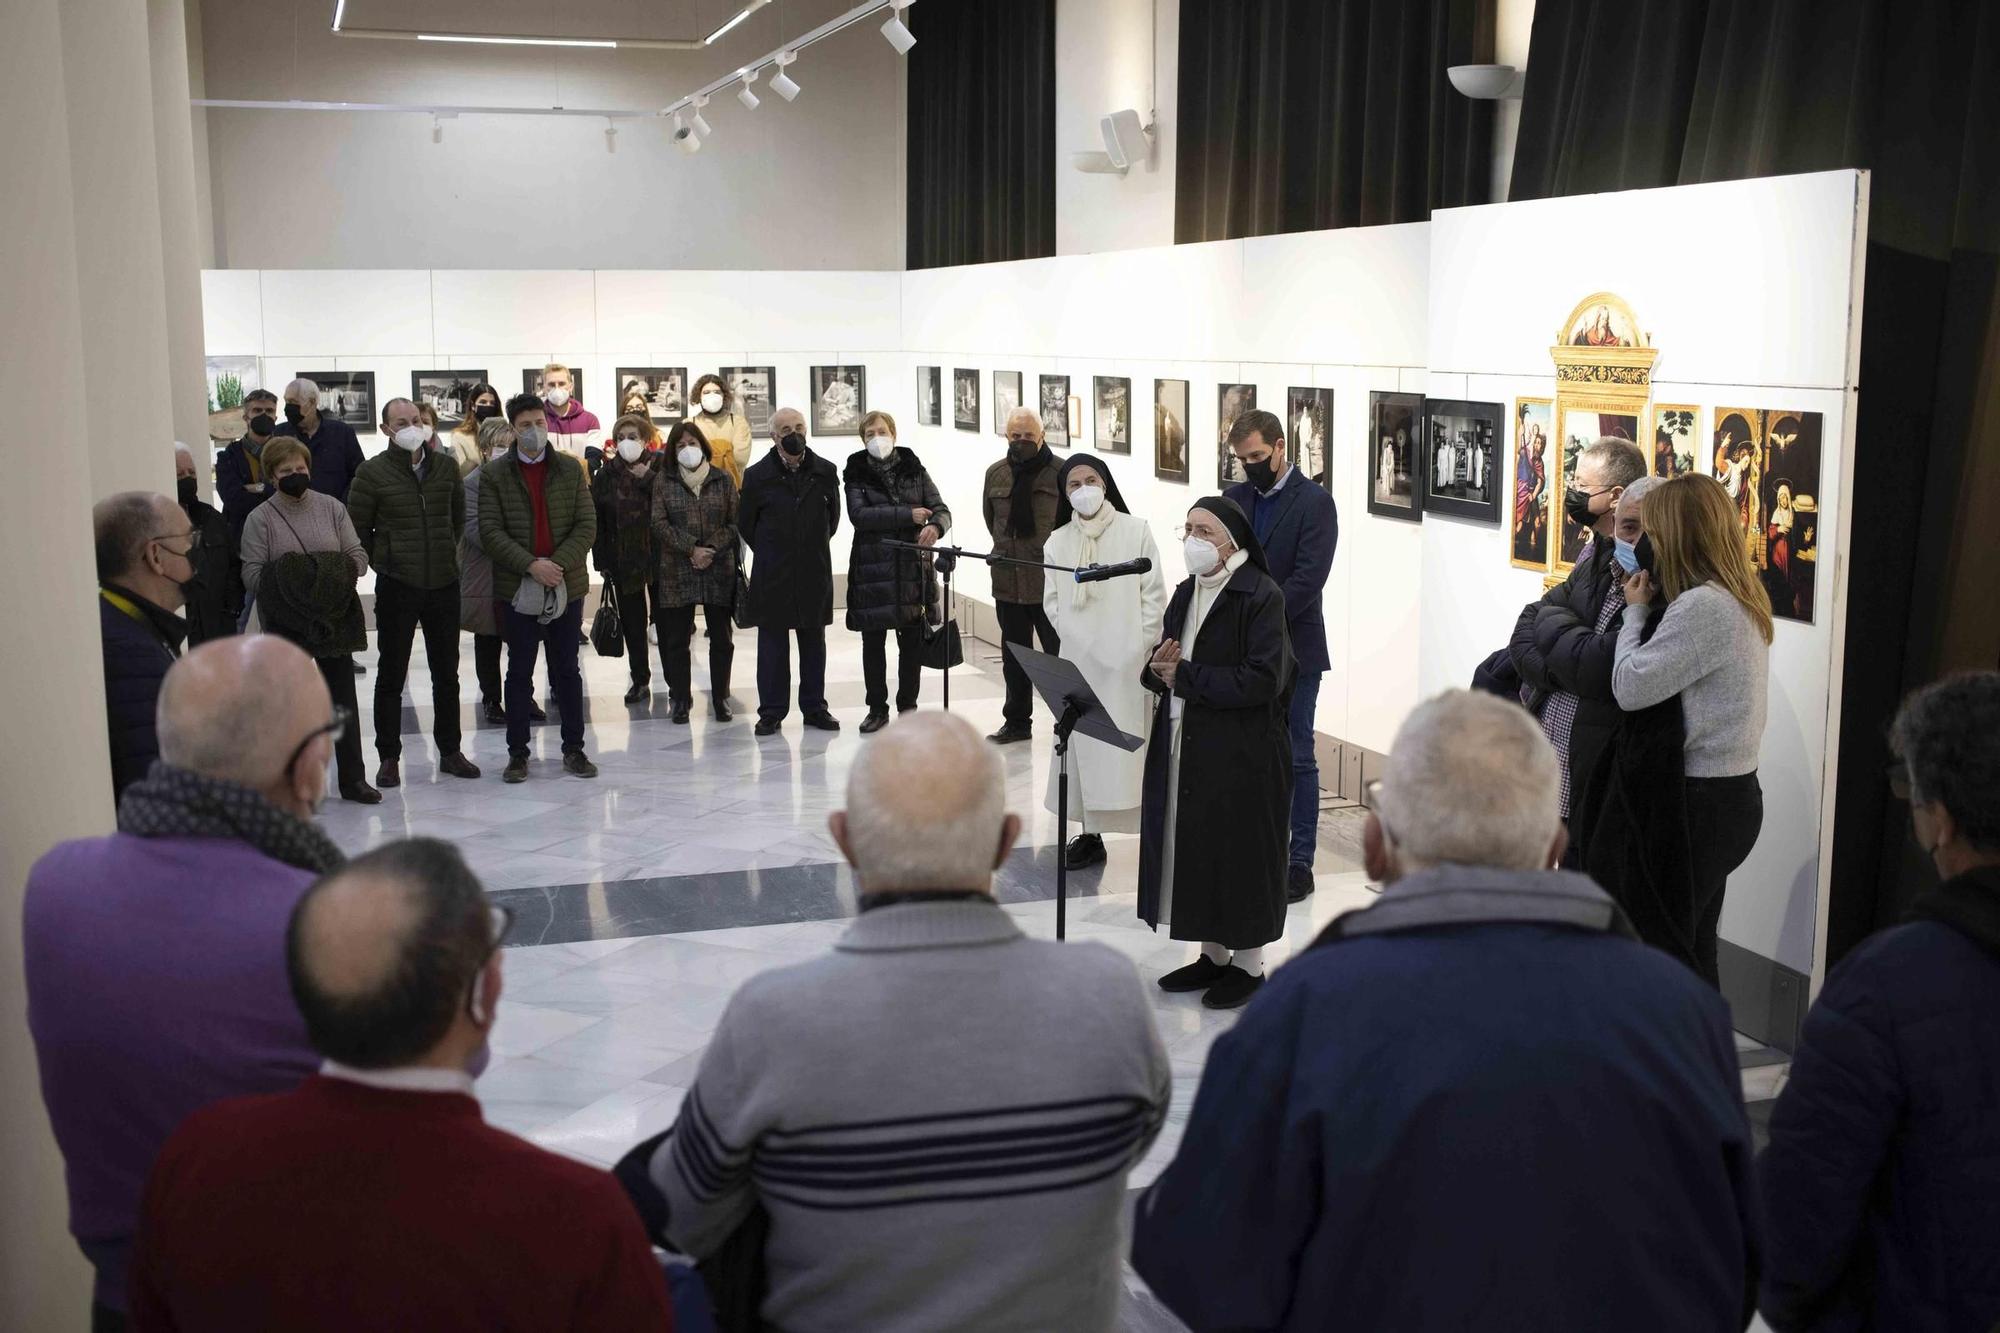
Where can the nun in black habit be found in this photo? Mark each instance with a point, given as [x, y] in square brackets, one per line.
[1214, 826]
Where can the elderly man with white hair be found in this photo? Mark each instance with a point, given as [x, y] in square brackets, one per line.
[938, 1117]
[1477, 1103]
[336, 451]
[1021, 496]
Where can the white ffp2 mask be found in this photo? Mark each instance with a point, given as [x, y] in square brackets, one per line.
[689, 456]
[881, 445]
[711, 402]
[1087, 500]
[412, 438]
[1201, 556]
[630, 449]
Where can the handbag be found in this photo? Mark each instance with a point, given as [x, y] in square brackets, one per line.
[741, 613]
[941, 648]
[607, 630]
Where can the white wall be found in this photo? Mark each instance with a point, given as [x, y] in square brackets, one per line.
[1110, 55]
[816, 183]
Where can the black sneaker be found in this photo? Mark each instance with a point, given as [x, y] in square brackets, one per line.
[1232, 989]
[1085, 849]
[768, 726]
[516, 770]
[1202, 973]
[579, 763]
[1012, 733]
[823, 721]
[874, 722]
[1299, 885]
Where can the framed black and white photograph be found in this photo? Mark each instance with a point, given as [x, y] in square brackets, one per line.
[965, 399]
[930, 396]
[1309, 431]
[659, 391]
[755, 389]
[1462, 458]
[1055, 410]
[531, 382]
[1395, 467]
[839, 399]
[1231, 402]
[447, 392]
[345, 395]
[1170, 430]
[1006, 397]
[1112, 395]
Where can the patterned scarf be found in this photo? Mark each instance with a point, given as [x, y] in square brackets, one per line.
[171, 802]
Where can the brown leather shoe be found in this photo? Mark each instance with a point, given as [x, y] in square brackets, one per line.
[457, 765]
[390, 774]
[361, 794]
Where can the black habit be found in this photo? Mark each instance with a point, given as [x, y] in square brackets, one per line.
[1234, 815]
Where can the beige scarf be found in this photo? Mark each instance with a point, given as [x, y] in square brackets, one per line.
[1093, 530]
[693, 480]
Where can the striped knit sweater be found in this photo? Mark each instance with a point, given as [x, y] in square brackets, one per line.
[938, 1116]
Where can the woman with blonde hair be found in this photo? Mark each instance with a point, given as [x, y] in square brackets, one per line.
[1711, 647]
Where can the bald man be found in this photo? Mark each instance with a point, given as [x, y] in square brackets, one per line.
[154, 958]
[215, 597]
[1021, 508]
[902, 1097]
[374, 1195]
[790, 511]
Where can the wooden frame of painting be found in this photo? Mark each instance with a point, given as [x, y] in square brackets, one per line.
[1052, 403]
[1604, 370]
[1581, 419]
[1170, 432]
[965, 399]
[930, 396]
[1398, 492]
[1529, 512]
[1111, 397]
[1463, 465]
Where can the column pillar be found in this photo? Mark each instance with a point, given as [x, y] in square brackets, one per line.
[180, 236]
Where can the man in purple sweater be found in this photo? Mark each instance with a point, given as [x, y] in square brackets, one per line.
[155, 958]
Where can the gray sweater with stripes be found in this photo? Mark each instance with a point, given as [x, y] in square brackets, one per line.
[939, 1117]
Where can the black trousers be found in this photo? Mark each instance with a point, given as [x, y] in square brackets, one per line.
[676, 631]
[400, 611]
[774, 671]
[526, 636]
[486, 665]
[909, 666]
[1022, 623]
[338, 673]
[1724, 815]
[632, 603]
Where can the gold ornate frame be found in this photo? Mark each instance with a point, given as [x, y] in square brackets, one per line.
[1550, 468]
[1595, 379]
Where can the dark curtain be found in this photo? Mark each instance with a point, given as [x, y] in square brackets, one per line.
[982, 115]
[1625, 94]
[1296, 115]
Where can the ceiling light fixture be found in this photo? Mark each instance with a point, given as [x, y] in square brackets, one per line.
[701, 125]
[781, 82]
[339, 8]
[788, 87]
[606, 44]
[683, 138]
[748, 96]
[741, 14]
[899, 35]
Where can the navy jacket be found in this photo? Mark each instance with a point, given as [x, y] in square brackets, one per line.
[137, 653]
[1300, 550]
[1489, 1125]
[232, 476]
[336, 454]
[1882, 1178]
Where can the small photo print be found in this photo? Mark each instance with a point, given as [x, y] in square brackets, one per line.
[1055, 410]
[755, 389]
[1170, 437]
[839, 399]
[1006, 397]
[1113, 413]
[446, 392]
[346, 395]
[965, 399]
[1231, 402]
[658, 393]
[930, 396]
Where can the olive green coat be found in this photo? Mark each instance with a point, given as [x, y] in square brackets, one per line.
[409, 528]
[507, 522]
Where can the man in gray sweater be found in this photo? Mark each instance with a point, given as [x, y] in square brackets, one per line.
[939, 1115]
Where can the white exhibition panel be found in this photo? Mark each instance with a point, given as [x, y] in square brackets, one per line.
[1748, 289]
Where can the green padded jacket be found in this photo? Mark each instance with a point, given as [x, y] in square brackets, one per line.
[507, 523]
[409, 528]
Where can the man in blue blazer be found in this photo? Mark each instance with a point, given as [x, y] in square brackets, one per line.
[1294, 517]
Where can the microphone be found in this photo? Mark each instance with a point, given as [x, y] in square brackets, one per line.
[1098, 573]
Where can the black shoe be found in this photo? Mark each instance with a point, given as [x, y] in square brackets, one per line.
[1232, 989]
[1011, 733]
[1085, 849]
[874, 722]
[578, 763]
[768, 726]
[639, 693]
[823, 721]
[1202, 973]
[535, 713]
[516, 770]
[722, 713]
[680, 714]
[389, 774]
[1299, 886]
[495, 713]
[456, 765]
[361, 794]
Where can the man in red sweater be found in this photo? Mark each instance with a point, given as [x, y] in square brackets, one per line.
[374, 1195]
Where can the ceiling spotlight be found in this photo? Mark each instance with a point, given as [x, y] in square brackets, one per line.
[437, 130]
[747, 96]
[781, 82]
[701, 122]
[899, 36]
[684, 138]
[610, 137]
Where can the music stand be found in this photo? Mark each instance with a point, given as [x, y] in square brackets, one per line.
[1077, 708]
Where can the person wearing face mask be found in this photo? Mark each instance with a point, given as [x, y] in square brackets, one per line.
[572, 428]
[240, 485]
[1299, 527]
[331, 443]
[790, 511]
[215, 596]
[154, 959]
[1562, 645]
[408, 508]
[481, 406]
[144, 544]
[890, 495]
[623, 492]
[1881, 1182]
[1020, 504]
[724, 426]
[696, 545]
[301, 558]
[1107, 629]
[537, 523]
[1216, 814]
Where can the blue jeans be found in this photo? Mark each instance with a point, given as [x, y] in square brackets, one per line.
[1305, 770]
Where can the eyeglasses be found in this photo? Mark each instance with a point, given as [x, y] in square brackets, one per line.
[188, 536]
[343, 718]
[502, 920]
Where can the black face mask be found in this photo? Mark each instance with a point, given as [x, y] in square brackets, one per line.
[295, 484]
[793, 444]
[485, 412]
[1023, 450]
[294, 413]
[1576, 505]
[1642, 551]
[1263, 474]
[262, 425]
[186, 490]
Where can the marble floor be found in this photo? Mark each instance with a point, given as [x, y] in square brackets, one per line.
[700, 857]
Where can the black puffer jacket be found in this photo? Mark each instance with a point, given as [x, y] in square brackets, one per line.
[409, 527]
[888, 587]
[1556, 646]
